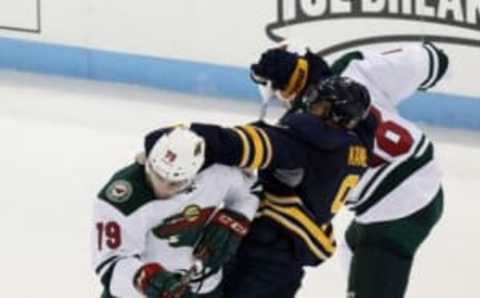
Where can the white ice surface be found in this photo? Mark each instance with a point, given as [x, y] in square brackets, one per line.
[61, 139]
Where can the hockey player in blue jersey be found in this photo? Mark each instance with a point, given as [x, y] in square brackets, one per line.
[307, 163]
[399, 200]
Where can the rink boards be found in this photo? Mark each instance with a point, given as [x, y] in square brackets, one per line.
[206, 48]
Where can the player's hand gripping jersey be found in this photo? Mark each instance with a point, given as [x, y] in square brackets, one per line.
[404, 176]
[132, 228]
[305, 166]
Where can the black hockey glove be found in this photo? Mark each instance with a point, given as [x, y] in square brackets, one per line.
[155, 282]
[281, 66]
[221, 238]
[275, 65]
[318, 68]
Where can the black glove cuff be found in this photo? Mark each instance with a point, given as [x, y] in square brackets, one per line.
[318, 70]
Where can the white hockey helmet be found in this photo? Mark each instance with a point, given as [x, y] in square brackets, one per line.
[177, 156]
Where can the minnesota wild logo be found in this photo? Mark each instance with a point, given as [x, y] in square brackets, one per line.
[183, 229]
[119, 191]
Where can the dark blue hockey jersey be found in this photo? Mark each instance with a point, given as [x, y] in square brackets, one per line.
[306, 169]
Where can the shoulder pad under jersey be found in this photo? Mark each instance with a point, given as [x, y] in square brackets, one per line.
[313, 130]
[127, 190]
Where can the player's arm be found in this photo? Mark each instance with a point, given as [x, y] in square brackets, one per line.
[118, 241]
[242, 197]
[250, 146]
[224, 145]
[116, 247]
[222, 236]
[393, 76]
[255, 146]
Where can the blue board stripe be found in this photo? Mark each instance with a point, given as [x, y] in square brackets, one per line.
[173, 74]
[198, 78]
[443, 109]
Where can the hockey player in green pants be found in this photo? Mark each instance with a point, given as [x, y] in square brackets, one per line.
[400, 198]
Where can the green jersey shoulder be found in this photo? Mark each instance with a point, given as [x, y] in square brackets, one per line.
[127, 190]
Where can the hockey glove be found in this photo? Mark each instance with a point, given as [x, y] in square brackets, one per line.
[275, 65]
[289, 72]
[155, 282]
[221, 238]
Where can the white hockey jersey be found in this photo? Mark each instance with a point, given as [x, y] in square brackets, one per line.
[406, 176]
[131, 227]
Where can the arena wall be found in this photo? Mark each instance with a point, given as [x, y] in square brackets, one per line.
[206, 47]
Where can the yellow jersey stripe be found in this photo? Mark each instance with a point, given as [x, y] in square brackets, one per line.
[268, 148]
[295, 229]
[245, 149]
[298, 79]
[310, 226]
[283, 200]
[258, 148]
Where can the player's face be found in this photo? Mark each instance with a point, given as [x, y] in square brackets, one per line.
[320, 109]
[163, 188]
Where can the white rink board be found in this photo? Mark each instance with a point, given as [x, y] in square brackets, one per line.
[63, 138]
[233, 33]
[18, 14]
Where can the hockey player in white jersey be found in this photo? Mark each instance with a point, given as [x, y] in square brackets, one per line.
[164, 225]
[399, 199]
